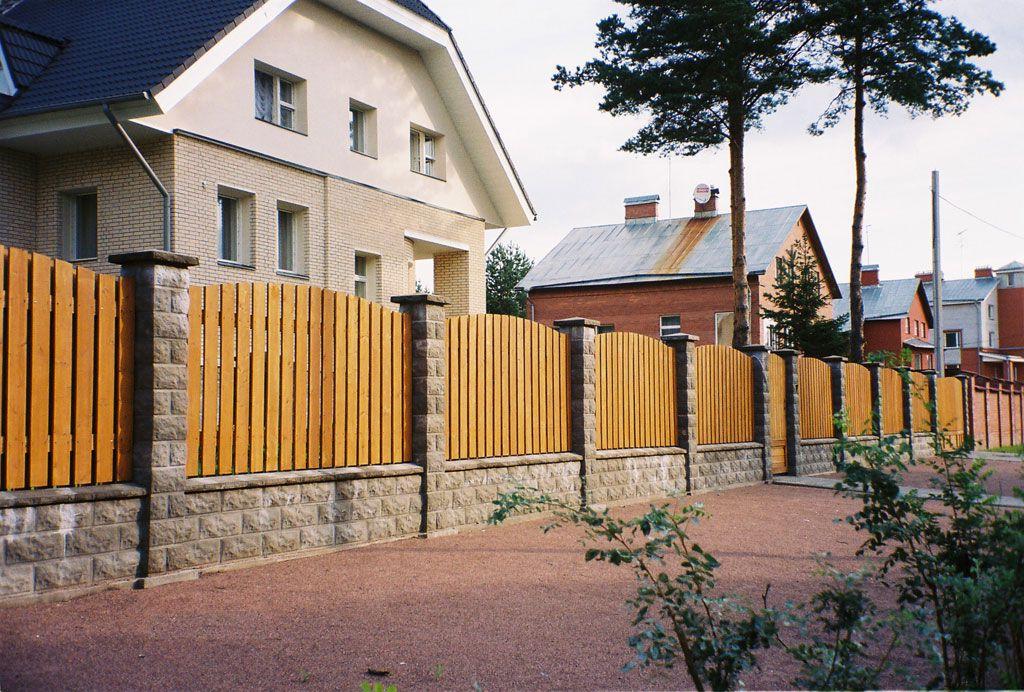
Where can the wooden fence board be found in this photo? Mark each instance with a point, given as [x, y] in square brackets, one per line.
[816, 406]
[892, 402]
[725, 395]
[243, 370]
[16, 413]
[921, 402]
[777, 412]
[859, 411]
[39, 363]
[63, 363]
[85, 350]
[950, 408]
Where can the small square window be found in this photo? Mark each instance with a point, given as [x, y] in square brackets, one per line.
[291, 240]
[80, 225]
[278, 99]
[425, 153]
[366, 276]
[670, 325]
[952, 339]
[234, 210]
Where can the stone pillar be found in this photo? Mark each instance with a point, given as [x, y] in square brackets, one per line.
[875, 370]
[159, 450]
[835, 364]
[583, 395]
[685, 348]
[933, 396]
[794, 454]
[967, 385]
[762, 406]
[429, 403]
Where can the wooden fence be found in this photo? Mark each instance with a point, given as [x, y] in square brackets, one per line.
[950, 408]
[998, 412]
[816, 407]
[891, 385]
[66, 351]
[857, 381]
[508, 387]
[920, 402]
[636, 392]
[284, 377]
[725, 396]
[777, 412]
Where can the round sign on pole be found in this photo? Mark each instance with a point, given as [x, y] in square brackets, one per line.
[702, 194]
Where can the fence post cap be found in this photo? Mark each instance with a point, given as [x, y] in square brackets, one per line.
[577, 322]
[419, 298]
[157, 257]
[754, 348]
[787, 352]
[680, 338]
[834, 359]
[928, 371]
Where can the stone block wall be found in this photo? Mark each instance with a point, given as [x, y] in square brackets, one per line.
[816, 456]
[620, 476]
[66, 546]
[721, 466]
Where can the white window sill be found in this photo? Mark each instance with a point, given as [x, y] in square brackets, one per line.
[427, 175]
[281, 127]
[292, 275]
[235, 265]
[363, 153]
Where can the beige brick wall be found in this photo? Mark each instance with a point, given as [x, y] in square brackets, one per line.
[17, 199]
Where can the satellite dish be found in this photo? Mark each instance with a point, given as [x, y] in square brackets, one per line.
[702, 194]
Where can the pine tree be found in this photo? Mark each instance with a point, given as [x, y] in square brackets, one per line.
[799, 299]
[506, 267]
[705, 72]
[883, 52]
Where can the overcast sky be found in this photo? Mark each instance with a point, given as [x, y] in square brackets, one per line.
[567, 152]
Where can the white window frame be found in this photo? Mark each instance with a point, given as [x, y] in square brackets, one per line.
[243, 227]
[958, 340]
[296, 106]
[991, 311]
[368, 280]
[300, 247]
[69, 202]
[668, 329]
[367, 117]
[430, 165]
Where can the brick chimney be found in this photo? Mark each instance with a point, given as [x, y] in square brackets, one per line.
[925, 276]
[704, 210]
[869, 275]
[642, 209]
[983, 273]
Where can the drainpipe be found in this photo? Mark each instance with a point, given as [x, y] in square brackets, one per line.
[149, 171]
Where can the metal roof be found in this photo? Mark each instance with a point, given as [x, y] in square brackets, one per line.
[1011, 267]
[663, 250]
[114, 50]
[885, 301]
[964, 290]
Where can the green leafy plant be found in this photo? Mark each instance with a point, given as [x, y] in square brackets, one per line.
[507, 265]
[367, 686]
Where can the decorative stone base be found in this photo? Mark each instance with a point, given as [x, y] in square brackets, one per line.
[815, 456]
[622, 475]
[923, 446]
[727, 465]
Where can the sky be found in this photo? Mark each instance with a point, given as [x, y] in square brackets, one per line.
[567, 151]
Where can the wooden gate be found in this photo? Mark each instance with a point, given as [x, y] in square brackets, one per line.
[777, 413]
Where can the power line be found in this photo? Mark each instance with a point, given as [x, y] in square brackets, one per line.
[978, 218]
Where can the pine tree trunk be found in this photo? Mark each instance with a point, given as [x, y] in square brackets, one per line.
[857, 232]
[738, 210]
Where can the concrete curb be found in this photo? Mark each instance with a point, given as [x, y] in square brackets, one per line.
[1002, 501]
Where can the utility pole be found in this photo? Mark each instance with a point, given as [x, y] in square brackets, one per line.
[940, 362]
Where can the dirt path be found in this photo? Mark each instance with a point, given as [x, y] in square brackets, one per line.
[506, 607]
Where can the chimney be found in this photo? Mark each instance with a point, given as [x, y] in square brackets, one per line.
[869, 275]
[925, 276]
[642, 209]
[705, 201]
[983, 273]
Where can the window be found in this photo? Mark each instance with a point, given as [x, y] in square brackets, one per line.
[80, 224]
[605, 328]
[992, 339]
[366, 276]
[670, 325]
[291, 240]
[425, 153]
[952, 339]
[278, 99]
[362, 128]
[723, 328]
[991, 311]
[234, 210]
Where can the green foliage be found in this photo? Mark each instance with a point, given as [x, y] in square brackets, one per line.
[506, 267]
[799, 296]
[903, 359]
[377, 687]
[950, 553]
[676, 613]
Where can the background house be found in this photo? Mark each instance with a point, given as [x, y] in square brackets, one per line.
[897, 316]
[659, 277]
[333, 142]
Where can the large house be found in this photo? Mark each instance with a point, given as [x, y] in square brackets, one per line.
[662, 276]
[897, 316]
[333, 142]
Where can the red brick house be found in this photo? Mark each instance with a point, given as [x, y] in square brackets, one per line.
[659, 277]
[897, 316]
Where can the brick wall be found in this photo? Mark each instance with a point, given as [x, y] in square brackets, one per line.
[17, 198]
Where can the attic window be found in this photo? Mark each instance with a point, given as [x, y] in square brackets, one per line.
[280, 99]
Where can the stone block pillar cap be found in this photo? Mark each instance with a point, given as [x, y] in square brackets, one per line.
[754, 348]
[787, 352]
[156, 257]
[834, 359]
[419, 298]
[577, 322]
[680, 339]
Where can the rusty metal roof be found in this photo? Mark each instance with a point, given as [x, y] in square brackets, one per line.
[665, 250]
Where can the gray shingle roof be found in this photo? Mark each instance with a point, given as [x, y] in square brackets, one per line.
[964, 290]
[662, 250]
[886, 301]
[119, 49]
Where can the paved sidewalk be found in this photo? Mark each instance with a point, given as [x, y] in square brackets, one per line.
[829, 483]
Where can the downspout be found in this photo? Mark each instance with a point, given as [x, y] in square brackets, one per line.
[149, 171]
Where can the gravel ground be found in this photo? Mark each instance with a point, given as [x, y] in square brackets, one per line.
[506, 607]
[1007, 474]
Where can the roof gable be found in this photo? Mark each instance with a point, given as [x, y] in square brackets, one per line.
[964, 290]
[888, 300]
[665, 250]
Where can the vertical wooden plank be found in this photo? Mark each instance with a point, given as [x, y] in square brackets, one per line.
[104, 404]
[273, 442]
[386, 384]
[505, 346]
[529, 369]
[341, 380]
[407, 391]
[63, 356]
[301, 402]
[464, 384]
[40, 296]
[16, 414]
[316, 331]
[397, 386]
[522, 385]
[364, 383]
[355, 376]
[195, 379]
[481, 378]
[473, 426]
[491, 431]
[243, 364]
[257, 401]
[450, 398]
[226, 436]
[544, 380]
[211, 378]
[125, 374]
[85, 345]
[288, 301]
[329, 378]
